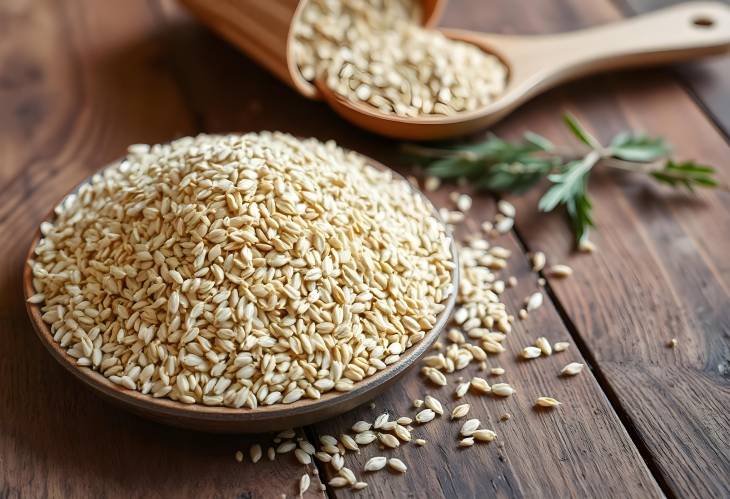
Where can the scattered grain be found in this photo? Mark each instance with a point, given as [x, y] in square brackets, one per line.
[381, 420]
[586, 246]
[397, 465]
[502, 389]
[484, 435]
[544, 345]
[466, 442]
[547, 402]
[480, 385]
[530, 353]
[469, 427]
[302, 456]
[461, 390]
[538, 261]
[560, 346]
[460, 411]
[506, 208]
[375, 463]
[388, 440]
[256, 453]
[304, 483]
[433, 404]
[463, 202]
[425, 416]
[534, 301]
[348, 475]
[432, 184]
[560, 271]
[361, 426]
[572, 369]
[338, 482]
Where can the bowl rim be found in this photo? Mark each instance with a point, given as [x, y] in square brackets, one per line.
[167, 407]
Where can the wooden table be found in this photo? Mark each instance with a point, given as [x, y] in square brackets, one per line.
[80, 80]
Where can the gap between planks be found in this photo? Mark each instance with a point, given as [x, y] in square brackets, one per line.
[199, 125]
[627, 8]
[600, 377]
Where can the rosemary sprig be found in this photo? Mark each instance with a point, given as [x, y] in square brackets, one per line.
[515, 167]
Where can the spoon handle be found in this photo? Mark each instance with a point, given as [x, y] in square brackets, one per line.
[685, 31]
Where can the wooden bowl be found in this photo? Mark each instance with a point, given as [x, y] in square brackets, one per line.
[231, 420]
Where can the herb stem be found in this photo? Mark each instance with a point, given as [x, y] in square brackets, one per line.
[502, 166]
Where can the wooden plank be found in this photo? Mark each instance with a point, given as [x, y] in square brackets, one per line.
[78, 83]
[580, 451]
[708, 81]
[661, 271]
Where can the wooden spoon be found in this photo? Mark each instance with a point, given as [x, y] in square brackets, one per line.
[227, 419]
[537, 63]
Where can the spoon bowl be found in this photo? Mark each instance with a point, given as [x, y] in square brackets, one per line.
[538, 63]
[231, 420]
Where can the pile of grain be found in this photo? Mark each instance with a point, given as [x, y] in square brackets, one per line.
[241, 270]
[479, 330]
[376, 52]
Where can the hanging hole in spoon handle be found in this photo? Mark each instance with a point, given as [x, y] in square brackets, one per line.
[685, 31]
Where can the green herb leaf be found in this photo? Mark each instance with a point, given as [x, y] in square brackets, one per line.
[455, 167]
[578, 130]
[497, 165]
[477, 160]
[638, 148]
[514, 177]
[569, 183]
[538, 141]
[570, 190]
[580, 214]
[688, 175]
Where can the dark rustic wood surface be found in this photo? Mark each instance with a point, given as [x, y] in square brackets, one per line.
[707, 81]
[80, 80]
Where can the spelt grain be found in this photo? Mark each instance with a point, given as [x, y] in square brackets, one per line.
[547, 402]
[425, 416]
[460, 411]
[572, 369]
[397, 465]
[485, 435]
[375, 463]
[560, 271]
[502, 389]
[304, 483]
[469, 427]
[560, 346]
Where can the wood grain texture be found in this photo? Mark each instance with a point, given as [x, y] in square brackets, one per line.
[563, 453]
[538, 453]
[707, 81]
[81, 81]
[661, 271]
